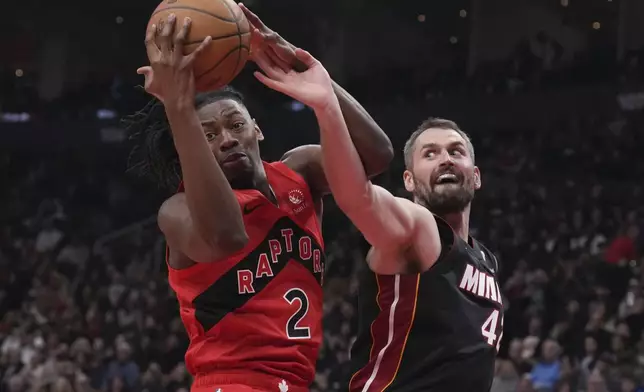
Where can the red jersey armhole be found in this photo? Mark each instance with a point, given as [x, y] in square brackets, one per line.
[183, 272]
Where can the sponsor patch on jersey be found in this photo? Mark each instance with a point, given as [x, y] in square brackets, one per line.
[296, 196]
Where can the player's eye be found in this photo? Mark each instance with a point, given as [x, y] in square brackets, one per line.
[429, 154]
[238, 125]
[210, 136]
[456, 152]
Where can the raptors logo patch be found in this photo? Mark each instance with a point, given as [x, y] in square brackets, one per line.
[296, 196]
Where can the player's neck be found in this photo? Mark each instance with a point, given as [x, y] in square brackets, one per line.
[257, 181]
[260, 183]
[265, 189]
[460, 222]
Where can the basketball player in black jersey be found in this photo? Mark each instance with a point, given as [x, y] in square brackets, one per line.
[431, 315]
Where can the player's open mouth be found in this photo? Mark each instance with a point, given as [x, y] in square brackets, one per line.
[234, 157]
[447, 178]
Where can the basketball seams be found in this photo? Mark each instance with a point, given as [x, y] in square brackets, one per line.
[231, 51]
[217, 79]
[230, 11]
[239, 47]
[198, 10]
[215, 38]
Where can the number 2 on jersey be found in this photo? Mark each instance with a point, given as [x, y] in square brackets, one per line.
[488, 330]
[293, 330]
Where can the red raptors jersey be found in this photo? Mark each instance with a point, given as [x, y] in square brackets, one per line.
[260, 310]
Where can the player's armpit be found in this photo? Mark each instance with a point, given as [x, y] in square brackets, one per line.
[177, 225]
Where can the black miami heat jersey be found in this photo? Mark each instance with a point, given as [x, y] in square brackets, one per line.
[260, 310]
[437, 331]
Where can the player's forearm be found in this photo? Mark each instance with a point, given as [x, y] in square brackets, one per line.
[374, 211]
[343, 168]
[212, 203]
[371, 142]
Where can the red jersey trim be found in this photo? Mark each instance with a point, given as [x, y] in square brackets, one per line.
[397, 299]
[189, 271]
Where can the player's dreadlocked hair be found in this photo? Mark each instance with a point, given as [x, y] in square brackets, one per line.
[153, 154]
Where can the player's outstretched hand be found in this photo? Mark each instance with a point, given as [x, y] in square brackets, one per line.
[169, 77]
[312, 87]
[263, 38]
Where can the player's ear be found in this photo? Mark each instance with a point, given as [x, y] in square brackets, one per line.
[477, 178]
[408, 179]
[258, 131]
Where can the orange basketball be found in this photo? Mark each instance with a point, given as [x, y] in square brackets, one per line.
[225, 22]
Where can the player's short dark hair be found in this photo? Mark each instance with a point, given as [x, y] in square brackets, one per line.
[434, 122]
[154, 155]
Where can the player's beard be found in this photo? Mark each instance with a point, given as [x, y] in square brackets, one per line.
[448, 199]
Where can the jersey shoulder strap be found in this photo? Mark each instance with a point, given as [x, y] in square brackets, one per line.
[282, 171]
[488, 256]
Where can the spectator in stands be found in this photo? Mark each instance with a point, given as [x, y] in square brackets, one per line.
[622, 248]
[547, 372]
[123, 373]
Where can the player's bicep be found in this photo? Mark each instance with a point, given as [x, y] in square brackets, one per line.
[385, 221]
[175, 221]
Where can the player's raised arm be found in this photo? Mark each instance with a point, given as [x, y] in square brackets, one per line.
[385, 221]
[373, 145]
[205, 222]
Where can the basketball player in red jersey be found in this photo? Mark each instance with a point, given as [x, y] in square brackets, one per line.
[245, 251]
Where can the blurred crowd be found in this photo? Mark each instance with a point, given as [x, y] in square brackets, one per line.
[536, 62]
[85, 303]
[84, 300]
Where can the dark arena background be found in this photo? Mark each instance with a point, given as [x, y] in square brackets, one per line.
[550, 90]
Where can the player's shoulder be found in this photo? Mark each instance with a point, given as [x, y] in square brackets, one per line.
[403, 202]
[172, 211]
[306, 162]
[172, 204]
[285, 170]
[483, 247]
[488, 254]
[298, 159]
